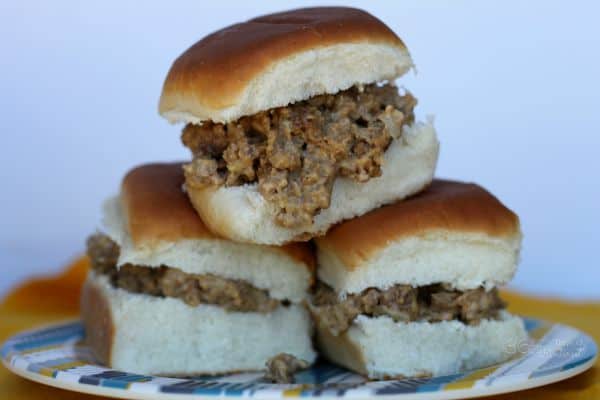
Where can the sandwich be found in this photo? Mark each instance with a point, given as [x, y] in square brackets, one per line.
[410, 289]
[295, 124]
[165, 296]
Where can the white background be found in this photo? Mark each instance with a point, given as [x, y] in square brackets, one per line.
[514, 87]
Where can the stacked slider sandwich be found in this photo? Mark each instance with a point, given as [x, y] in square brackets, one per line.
[295, 125]
[409, 289]
[166, 296]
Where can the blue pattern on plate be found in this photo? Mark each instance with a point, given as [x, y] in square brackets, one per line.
[57, 352]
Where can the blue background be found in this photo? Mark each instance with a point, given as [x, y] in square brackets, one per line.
[513, 85]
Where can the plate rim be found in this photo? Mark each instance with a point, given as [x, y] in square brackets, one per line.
[472, 392]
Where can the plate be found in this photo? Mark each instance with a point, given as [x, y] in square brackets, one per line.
[57, 356]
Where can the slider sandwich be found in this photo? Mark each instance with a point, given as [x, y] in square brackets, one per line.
[165, 296]
[409, 289]
[295, 124]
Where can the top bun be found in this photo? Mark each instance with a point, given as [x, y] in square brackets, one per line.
[156, 209]
[452, 232]
[155, 225]
[277, 59]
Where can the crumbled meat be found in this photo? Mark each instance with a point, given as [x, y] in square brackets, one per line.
[234, 295]
[193, 289]
[296, 152]
[431, 303]
[137, 279]
[103, 252]
[282, 367]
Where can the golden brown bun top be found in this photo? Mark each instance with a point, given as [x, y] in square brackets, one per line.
[220, 66]
[450, 206]
[157, 209]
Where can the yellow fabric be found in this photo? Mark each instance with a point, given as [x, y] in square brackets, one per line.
[42, 301]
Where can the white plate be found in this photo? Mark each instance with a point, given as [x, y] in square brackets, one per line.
[56, 356]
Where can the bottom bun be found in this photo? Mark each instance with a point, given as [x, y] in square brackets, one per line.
[380, 348]
[164, 336]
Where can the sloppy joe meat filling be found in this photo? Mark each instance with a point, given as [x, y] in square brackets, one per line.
[431, 303]
[193, 289]
[282, 367]
[294, 153]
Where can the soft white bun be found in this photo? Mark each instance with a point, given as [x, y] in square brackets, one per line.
[154, 224]
[240, 213]
[283, 276]
[463, 260]
[164, 336]
[316, 71]
[452, 232]
[277, 59]
[381, 348]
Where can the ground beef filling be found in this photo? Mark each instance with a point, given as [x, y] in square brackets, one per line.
[193, 289]
[405, 303]
[282, 367]
[296, 152]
